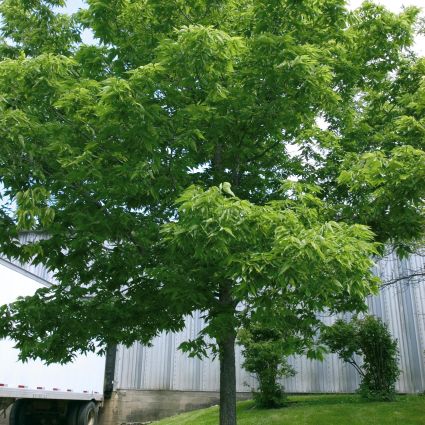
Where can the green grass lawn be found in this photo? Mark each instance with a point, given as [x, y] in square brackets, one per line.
[317, 410]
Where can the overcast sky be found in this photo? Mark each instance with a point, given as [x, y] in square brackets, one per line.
[15, 281]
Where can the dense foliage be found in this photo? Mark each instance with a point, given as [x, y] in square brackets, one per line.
[370, 338]
[97, 142]
[265, 352]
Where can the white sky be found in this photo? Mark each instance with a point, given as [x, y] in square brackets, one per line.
[16, 282]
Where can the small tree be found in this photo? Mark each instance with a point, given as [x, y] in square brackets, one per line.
[269, 336]
[370, 338]
[222, 252]
[265, 355]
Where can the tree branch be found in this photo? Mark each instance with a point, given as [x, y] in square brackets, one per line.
[181, 11]
[407, 279]
[353, 363]
[261, 154]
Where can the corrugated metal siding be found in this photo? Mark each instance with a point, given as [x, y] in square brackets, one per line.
[163, 366]
[401, 305]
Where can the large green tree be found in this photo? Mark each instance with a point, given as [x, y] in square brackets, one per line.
[97, 142]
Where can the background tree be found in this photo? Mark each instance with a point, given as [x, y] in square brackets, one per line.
[96, 142]
[368, 337]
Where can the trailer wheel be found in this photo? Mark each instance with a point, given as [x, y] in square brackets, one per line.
[72, 415]
[88, 414]
[17, 413]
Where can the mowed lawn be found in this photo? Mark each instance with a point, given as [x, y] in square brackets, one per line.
[317, 410]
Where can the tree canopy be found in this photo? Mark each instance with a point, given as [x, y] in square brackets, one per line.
[97, 142]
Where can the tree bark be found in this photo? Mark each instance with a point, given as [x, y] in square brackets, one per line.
[227, 380]
[226, 345]
[226, 341]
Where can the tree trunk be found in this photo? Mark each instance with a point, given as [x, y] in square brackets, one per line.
[227, 379]
[226, 345]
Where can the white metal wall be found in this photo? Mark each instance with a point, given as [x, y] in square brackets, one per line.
[401, 305]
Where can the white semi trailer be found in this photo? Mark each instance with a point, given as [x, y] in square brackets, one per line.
[45, 395]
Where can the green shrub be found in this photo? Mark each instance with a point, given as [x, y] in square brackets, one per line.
[370, 338]
[265, 356]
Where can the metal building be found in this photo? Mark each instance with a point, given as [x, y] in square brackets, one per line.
[401, 306]
[152, 382]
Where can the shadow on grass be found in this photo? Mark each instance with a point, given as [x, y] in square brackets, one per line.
[316, 400]
[328, 399]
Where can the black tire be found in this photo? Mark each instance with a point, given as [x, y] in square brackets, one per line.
[88, 414]
[72, 414]
[17, 413]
